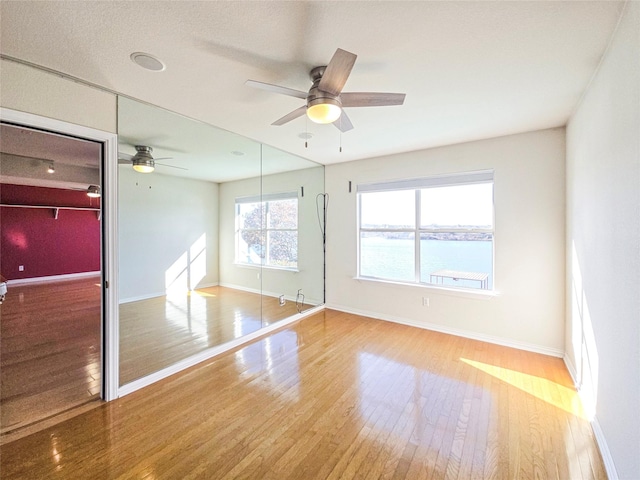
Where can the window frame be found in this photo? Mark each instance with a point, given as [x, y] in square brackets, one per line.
[417, 185]
[265, 229]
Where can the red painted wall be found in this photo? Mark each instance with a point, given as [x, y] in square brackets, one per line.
[45, 246]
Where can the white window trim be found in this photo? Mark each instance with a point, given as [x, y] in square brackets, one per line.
[445, 290]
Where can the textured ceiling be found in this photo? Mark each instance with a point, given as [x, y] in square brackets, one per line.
[470, 70]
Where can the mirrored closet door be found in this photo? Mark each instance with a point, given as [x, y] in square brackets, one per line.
[218, 237]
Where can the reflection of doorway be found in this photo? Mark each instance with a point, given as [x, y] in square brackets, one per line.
[50, 245]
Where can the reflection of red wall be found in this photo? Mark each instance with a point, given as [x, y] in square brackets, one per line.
[45, 246]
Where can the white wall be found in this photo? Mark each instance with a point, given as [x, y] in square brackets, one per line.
[529, 192]
[310, 256]
[30, 90]
[168, 234]
[603, 246]
[276, 282]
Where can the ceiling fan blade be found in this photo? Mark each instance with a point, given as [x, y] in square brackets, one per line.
[170, 166]
[277, 89]
[343, 123]
[124, 161]
[298, 112]
[124, 156]
[337, 72]
[370, 99]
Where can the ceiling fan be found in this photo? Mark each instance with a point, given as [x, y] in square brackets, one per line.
[142, 161]
[92, 191]
[325, 99]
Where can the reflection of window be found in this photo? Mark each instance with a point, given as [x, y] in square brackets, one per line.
[267, 230]
[436, 230]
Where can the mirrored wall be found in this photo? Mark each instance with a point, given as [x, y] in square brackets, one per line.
[223, 238]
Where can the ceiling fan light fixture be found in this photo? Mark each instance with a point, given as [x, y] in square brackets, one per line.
[93, 191]
[143, 165]
[51, 168]
[324, 110]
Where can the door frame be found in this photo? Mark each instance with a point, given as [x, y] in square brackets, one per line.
[109, 204]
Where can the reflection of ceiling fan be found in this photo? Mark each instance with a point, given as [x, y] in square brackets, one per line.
[325, 100]
[92, 191]
[142, 161]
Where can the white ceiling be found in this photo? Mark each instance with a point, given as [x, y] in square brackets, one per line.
[470, 70]
[207, 153]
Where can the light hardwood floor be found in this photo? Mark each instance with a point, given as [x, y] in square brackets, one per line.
[158, 332]
[332, 396]
[50, 342]
[49, 350]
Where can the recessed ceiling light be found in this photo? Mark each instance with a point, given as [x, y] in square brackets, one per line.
[148, 61]
[237, 153]
[305, 135]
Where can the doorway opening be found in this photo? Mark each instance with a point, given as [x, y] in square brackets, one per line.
[52, 263]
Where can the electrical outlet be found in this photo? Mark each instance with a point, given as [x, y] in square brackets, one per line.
[21, 268]
[282, 300]
[425, 301]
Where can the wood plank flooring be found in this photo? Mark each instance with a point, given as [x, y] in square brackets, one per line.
[49, 350]
[158, 332]
[334, 396]
[50, 342]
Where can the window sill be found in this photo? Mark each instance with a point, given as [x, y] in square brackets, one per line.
[455, 292]
[254, 266]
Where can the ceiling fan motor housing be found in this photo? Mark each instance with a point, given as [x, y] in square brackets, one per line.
[317, 96]
[144, 152]
[143, 161]
[328, 106]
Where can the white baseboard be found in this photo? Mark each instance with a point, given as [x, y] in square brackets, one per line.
[290, 298]
[607, 459]
[53, 278]
[159, 294]
[240, 287]
[572, 371]
[139, 298]
[554, 352]
[601, 440]
[212, 352]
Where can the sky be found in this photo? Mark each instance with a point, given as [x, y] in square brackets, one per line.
[454, 205]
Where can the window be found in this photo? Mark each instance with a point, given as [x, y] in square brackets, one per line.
[436, 230]
[267, 230]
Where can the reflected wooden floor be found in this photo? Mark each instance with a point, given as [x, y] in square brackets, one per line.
[49, 351]
[50, 342]
[333, 396]
[158, 332]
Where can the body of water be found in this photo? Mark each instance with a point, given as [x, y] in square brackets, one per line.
[393, 259]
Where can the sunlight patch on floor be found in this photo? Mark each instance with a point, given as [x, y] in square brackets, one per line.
[553, 393]
[200, 293]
